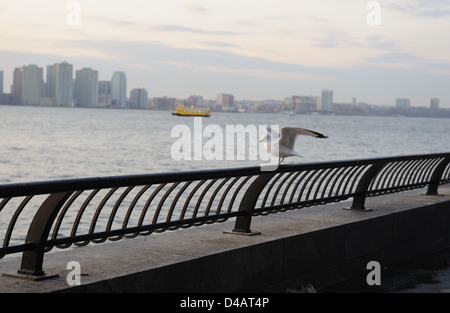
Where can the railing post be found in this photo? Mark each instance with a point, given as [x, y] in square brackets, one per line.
[248, 203]
[38, 232]
[436, 176]
[359, 199]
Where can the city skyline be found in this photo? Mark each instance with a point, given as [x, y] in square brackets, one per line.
[252, 49]
[86, 90]
[62, 88]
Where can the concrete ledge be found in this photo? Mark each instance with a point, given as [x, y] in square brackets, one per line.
[322, 246]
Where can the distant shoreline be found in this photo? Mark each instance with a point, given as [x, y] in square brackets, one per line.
[377, 111]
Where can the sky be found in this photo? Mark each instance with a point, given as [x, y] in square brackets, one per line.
[376, 51]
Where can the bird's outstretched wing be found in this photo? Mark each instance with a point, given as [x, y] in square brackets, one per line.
[289, 134]
[301, 131]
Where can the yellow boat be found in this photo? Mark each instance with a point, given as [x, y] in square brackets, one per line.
[183, 111]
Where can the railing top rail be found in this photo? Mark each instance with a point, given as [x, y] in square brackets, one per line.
[47, 187]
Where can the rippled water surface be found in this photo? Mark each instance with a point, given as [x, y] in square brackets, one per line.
[47, 143]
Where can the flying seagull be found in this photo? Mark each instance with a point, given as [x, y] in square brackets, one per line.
[283, 146]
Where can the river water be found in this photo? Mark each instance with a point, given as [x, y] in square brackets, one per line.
[49, 143]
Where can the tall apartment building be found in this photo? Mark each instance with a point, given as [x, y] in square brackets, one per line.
[402, 103]
[304, 103]
[139, 98]
[59, 84]
[195, 100]
[225, 102]
[5, 98]
[164, 103]
[434, 103]
[327, 100]
[28, 83]
[1, 82]
[86, 88]
[104, 93]
[119, 90]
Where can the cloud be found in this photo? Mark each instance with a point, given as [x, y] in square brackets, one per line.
[195, 9]
[400, 59]
[377, 43]
[110, 21]
[158, 28]
[178, 28]
[217, 44]
[273, 74]
[335, 39]
[157, 52]
[187, 66]
[421, 8]
[394, 57]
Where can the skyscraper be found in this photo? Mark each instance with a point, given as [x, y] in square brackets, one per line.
[104, 93]
[28, 85]
[402, 103]
[225, 102]
[17, 86]
[1, 82]
[304, 104]
[119, 90]
[327, 100]
[139, 98]
[86, 87]
[434, 103]
[164, 103]
[59, 83]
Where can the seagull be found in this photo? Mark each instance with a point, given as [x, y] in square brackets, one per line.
[283, 146]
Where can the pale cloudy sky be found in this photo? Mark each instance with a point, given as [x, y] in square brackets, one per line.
[255, 49]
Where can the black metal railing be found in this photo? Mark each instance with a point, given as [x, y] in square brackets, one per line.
[40, 216]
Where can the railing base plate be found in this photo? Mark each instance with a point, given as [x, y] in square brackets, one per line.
[30, 277]
[432, 194]
[362, 210]
[242, 233]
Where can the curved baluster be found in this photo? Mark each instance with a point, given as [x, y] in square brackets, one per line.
[175, 201]
[82, 209]
[13, 220]
[97, 214]
[114, 212]
[131, 209]
[61, 217]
